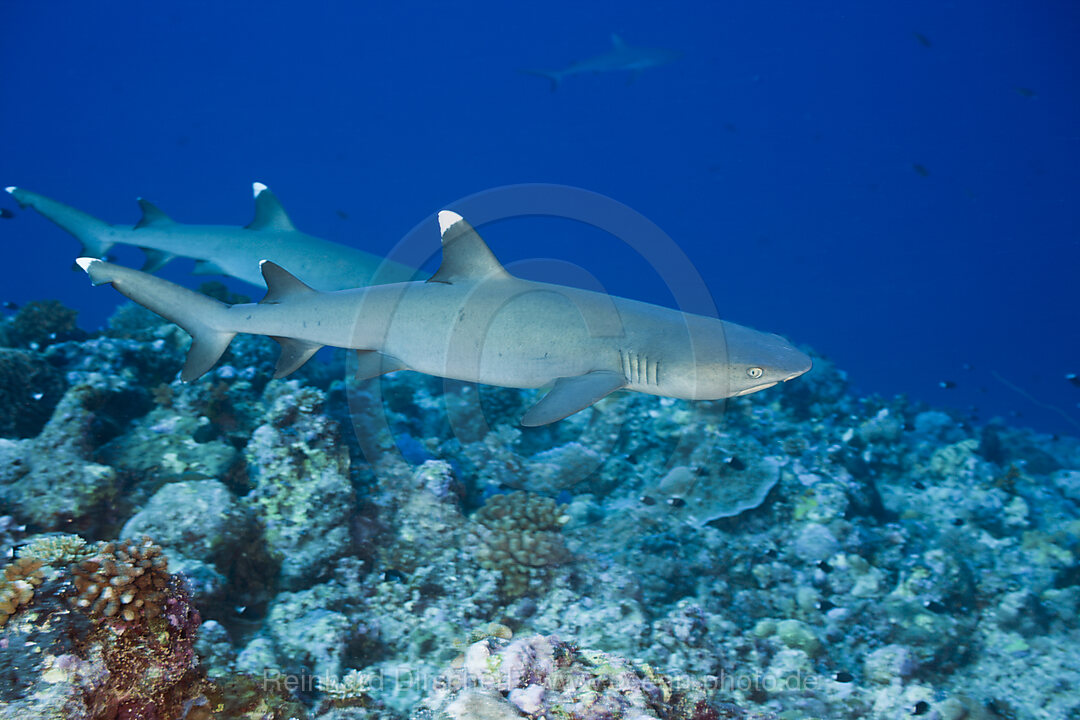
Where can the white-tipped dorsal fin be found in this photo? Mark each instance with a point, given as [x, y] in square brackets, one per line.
[280, 283]
[10, 189]
[465, 255]
[151, 215]
[257, 188]
[269, 215]
[86, 262]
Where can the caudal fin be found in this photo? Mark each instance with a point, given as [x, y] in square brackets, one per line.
[200, 316]
[91, 232]
[553, 75]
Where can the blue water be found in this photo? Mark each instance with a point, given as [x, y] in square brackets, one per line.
[896, 186]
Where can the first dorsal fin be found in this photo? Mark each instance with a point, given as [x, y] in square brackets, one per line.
[465, 255]
[269, 215]
[617, 42]
[280, 283]
[151, 215]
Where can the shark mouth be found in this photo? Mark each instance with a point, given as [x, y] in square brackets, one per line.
[756, 388]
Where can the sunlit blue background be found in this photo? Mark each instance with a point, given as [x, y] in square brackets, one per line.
[895, 185]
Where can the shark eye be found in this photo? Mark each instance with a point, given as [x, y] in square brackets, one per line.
[755, 372]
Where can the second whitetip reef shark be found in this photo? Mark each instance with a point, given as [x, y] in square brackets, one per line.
[474, 321]
[224, 249]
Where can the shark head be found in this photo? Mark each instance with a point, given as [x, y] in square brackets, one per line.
[729, 360]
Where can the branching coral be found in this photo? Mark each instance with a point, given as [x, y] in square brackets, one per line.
[519, 535]
[58, 550]
[17, 586]
[124, 579]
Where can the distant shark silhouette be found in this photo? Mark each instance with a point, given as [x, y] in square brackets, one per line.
[620, 58]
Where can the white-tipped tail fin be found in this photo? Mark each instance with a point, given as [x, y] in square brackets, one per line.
[202, 317]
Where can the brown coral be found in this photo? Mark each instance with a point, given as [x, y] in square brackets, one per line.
[519, 535]
[124, 580]
[17, 586]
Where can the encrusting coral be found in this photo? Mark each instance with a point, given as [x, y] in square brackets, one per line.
[518, 534]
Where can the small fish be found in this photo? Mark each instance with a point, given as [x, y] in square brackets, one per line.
[923, 40]
[921, 169]
[1025, 92]
[8, 305]
[1073, 378]
[393, 575]
[342, 214]
[735, 463]
[946, 384]
[6, 214]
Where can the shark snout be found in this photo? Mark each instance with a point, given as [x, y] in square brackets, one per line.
[790, 362]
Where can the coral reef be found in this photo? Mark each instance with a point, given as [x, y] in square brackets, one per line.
[123, 649]
[39, 323]
[544, 677]
[302, 494]
[30, 469]
[364, 549]
[30, 387]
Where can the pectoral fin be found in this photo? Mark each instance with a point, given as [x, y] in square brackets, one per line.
[155, 259]
[571, 394]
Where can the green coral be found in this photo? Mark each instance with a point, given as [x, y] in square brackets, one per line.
[59, 550]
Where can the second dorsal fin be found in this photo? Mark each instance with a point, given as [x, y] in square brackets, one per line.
[280, 283]
[151, 215]
[465, 255]
[269, 215]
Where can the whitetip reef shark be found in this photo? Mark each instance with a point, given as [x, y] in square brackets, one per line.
[620, 58]
[224, 249]
[474, 321]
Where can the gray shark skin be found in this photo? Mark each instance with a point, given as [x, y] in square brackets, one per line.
[473, 321]
[223, 249]
[620, 58]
